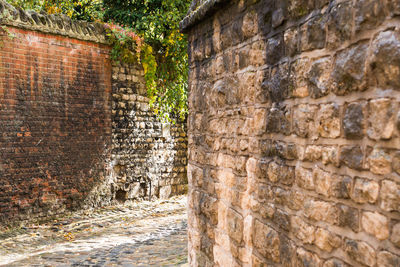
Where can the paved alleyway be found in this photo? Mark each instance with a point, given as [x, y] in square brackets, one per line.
[141, 234]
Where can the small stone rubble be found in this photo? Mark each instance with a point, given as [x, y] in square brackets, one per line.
[138, 234]
[149, 157]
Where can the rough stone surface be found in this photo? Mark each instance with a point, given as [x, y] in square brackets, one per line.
[395, 235]
[360, 251]
[365, 190]
[375, 224]
[149, 158]
[299, 134]
[381, 119]
[352, 156]
[353, 120]
[387, 259]
[390, 196]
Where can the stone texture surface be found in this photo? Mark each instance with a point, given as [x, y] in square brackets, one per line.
[303, 134]
[149, 158]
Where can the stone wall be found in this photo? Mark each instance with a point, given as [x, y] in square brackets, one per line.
[294, 133]
[149, 157]
[76, 131]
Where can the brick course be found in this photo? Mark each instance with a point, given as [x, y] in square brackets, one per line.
[55, 122]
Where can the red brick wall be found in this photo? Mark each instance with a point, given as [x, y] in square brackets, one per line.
[55, 122]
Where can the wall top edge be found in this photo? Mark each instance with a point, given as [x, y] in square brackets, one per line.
[50, 23]
[198, 10]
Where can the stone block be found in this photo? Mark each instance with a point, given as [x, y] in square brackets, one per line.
[278, 17]
[328, 121]
[195, 175]
[266, 241]
[339, 24]
[287, 250]
[323, 182]
[387, 259]
[330, 155]
[384, 63]
[375, 224]
[259, 121]
[318, 77]
[396, 162]
[291, 41]
[395, 235]
[349, 69]
[381, 121]
[321, 211]
[296, 200]
[368, 14]
[304, 178]
[276, 83]
[326, 240]
[303, 120]
[335, 263]
[275, 49]
[313, 34]
[280, 173]
[209, 207]
[282, 218]
[352, 156]
[235, 225]
[305, 258]
[342, 186]
[312, 153]
[278, 120]
[298, 79]
[354, 121]
[360, 251]
[348, 217]
[390, 196]
[380, 161]
[365, 191]
[300, 8]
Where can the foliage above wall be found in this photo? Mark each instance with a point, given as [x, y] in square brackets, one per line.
[165, 60]
[146, 31]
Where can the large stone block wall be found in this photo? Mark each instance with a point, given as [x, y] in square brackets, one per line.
[294, 133]
[149, 157]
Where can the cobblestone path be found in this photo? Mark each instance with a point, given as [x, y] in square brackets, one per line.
[141, 234]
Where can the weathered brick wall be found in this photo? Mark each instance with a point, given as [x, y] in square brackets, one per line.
[55, 122]
[294, 133]
[149, 157]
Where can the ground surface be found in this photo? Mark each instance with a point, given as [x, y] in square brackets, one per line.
[142, 234]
